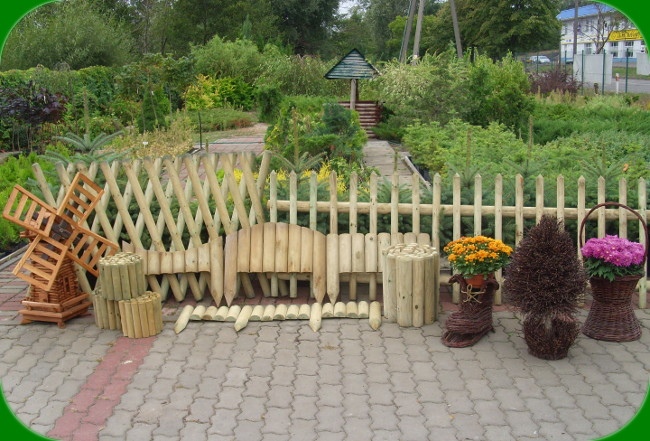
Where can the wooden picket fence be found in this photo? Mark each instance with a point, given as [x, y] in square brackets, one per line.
[178, 204]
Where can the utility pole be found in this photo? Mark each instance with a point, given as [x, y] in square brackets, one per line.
[407, 32]
[418, 31]
[454, 19]
[575, 29]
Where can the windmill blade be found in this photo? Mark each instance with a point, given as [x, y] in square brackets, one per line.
[80, 199]
[86, 248]
[25, 209]
[41, 262]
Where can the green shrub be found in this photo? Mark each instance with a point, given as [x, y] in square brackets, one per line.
[268, 99]
[209, 92]
[316, 126]
[220, 119]
[219, 58]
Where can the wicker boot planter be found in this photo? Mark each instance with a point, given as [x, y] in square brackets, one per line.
[474, 319]
[615, 266]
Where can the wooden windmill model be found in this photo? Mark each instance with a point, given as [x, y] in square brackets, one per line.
[58, 239]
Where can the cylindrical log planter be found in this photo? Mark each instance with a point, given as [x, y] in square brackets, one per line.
[142, 316]
[406, 267]
[121, 276]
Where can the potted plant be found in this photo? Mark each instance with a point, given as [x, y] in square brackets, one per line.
[475, 259]
[614, 266]
[544, 280]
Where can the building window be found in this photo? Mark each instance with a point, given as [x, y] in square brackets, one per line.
[613, 44]
[614, 54]
[629, 44]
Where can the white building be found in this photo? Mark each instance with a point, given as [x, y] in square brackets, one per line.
[600, 25]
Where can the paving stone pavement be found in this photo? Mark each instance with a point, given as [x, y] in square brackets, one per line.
[281, 381]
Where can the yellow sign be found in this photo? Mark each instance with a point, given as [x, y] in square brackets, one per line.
[630, 34]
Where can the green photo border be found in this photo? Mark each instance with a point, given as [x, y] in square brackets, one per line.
[13, 10]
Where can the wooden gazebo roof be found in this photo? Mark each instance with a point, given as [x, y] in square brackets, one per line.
[353, 66]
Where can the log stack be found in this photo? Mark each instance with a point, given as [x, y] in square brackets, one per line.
[120, 300]
[410, 294]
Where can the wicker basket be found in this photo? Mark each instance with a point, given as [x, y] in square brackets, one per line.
[474, 319]
[611, 317]
[550, 339]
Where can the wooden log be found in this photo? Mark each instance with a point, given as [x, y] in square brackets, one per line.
[295, 249]
[233, 313]
[345, 253]
[153, 263]
[157, 310]
[210, 313]
[125, 282]
[257, 313]
[293, 285]
[246, 283]
[135, 311]
[230, 268]
[410, 238]
[363, 309]
[243, 250]
[98, 320]
[332, 266]
[128, 314]
[105, 280]
[203, 257]
[374, 317]
[327, 310]
[315, 316]
[351, 310]
[268, 259]
[166, 263]
[122, 318]
[221, 314]
[216, 270]
[274, 285]
[183, 318]
[257, 246]
[370, 253]
[113, 321]
[269, 312]
[137, 286]
[383, 243]
[306, 252]
[101, 319]
[178, 262]
[198, 313]
[396, 238]
[430, 285]
[304, 312]
[424, 239]
[281, 247]
[340, 310]
[320, 267]
[280, 312]
[243, 317]
[192, 260]
[151, 318]
[292, 312]
[114, 271]
[389, 286]
[418, 291]
[404, 285]
[142, 314]
[284, 289]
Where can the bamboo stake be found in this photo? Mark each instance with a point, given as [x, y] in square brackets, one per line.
[332, 266]
[292, 312]
[243, 318]
[221, 314]
[327, 310]
[304, 312]
[375, 315]
[339, 309]
[351, 310]
[210, 313]
[198, 312]
[315, 316]
[418, 291]
[233, 313]
[183, 318]
[280, 312]
[269, 312]
[258, 312]
[321, 262]
[363, 309]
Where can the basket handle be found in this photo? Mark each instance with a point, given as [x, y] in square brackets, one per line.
[616, 204]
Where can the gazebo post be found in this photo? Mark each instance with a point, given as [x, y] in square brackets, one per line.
[353, 94]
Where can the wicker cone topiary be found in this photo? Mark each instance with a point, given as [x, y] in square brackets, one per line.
[544, 280]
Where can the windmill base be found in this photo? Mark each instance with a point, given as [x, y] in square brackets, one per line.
[57, 313]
